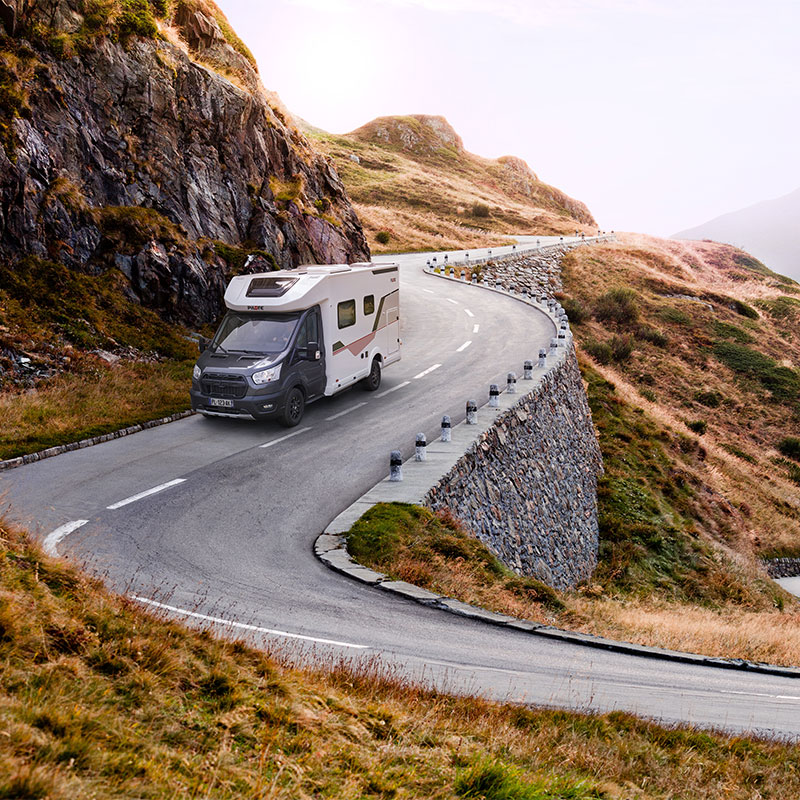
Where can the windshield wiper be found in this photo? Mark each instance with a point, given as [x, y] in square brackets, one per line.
[220, 347]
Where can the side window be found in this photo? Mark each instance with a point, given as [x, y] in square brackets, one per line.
[302, 336]
[369, 305]
[311, 328]
[347, 313]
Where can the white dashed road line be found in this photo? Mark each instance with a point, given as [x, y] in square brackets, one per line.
[393, 389]
[346, 411]
[476, 328]
[426, 372]
[450, 300]
[463, 347]
[284, 438]
[243, 626]
[468, 312]
[142, 495]
[429, 291]
[59, 534]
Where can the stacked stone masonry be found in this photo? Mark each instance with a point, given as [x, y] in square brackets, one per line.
[783, 567]
[527, 488]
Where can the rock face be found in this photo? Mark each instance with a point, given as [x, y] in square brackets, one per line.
[419, 134]
[143, 152]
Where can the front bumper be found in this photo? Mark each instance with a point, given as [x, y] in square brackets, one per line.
[255, 406]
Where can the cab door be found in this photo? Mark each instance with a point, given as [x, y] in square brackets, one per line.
[308, 357]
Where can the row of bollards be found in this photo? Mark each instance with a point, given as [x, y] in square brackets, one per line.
[421, 442]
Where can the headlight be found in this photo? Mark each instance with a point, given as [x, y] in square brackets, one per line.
[196, 372]
[267, 375]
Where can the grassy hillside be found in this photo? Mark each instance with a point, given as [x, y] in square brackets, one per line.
[415, 187]
[690, 354]
[98, 699]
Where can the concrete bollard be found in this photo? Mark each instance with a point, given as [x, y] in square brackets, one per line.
[396, 466]
[472, 412]
[446, 429]
[562, 338]
[553, 344]
[494, 396]
[542, 359]
[452, 272]
[527, 371]
[474, 278]
[463, 274]
[485, 281]
[498, 284]
[419, 448]
[511, 383]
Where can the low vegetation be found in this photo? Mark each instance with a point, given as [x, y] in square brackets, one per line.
[79, 358]
[99, 699]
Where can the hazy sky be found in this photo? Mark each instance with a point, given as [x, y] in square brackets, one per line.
[658, 114]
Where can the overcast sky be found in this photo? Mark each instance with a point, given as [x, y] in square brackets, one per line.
[658, 114]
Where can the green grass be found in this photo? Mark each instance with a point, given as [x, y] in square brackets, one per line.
[783, 383]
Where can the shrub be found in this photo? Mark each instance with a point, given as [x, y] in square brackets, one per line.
[575, 310]
[652, 335]
[480, 210]
[699, 426]
[648, 394]
[382, 237]
[136, 19]
[727, 331]
[621, 348]
[675, 316]
[617, 305]
[710, 399]
[599, 351]
[745, 310]
[794, 474]
[790, 447]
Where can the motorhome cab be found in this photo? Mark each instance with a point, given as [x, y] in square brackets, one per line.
[293, 336]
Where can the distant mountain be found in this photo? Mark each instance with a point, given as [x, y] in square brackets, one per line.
[767, 230]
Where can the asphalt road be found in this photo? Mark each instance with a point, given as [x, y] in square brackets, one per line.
[229, 537]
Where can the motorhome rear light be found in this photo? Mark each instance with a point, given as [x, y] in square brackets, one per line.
[270, 286]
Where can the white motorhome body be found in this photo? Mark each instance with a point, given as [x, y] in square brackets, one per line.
[359, 308]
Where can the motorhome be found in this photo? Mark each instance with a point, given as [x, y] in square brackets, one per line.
[293, 336]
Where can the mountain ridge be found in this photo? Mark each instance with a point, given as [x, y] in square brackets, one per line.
[766, 229]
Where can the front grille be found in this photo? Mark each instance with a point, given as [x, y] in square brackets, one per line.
[230, 386]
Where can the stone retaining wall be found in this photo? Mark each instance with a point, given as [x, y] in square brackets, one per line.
[527, 488]
[783, 567]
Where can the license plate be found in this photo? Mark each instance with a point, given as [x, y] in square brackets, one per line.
[219, 401]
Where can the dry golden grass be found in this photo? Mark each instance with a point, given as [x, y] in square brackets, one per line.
[91, 402]
[771, 637]
[424, 196]
[98, 699]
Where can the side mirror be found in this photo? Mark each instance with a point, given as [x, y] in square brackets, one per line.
[202, 344]
[312, 352]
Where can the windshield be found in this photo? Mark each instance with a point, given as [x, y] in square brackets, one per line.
[251, 333]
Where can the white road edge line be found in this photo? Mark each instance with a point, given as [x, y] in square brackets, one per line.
[476, 328]
[284, 438]
[346, 411]
[463, 347]
[426, 372]
[243, 626]
[450, 300]
[393, 389]
[468, 312]
[59, 534]
[142, 495]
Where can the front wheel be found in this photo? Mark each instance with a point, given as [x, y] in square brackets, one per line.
[293, 408]
[373, 380]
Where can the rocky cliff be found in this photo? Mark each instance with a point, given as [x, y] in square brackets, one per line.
[136, 135]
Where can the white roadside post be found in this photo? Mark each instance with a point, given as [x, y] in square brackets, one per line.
[472, 412]
[542, 358]
[494, 396]
[421, 443]
[446, 428]
[511, 383]
[396, 466]
[527, 371]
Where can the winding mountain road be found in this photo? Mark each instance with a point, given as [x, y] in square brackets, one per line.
[215, 520]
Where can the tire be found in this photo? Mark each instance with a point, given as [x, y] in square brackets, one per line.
[293, 408]
[373, 380]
